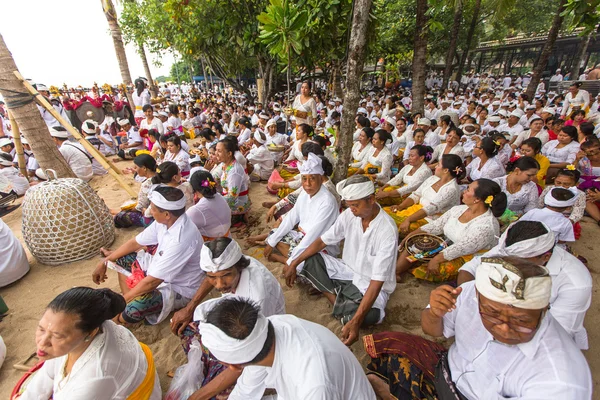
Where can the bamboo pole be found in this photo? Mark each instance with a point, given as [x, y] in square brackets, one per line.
[16, 134]
[107, 164]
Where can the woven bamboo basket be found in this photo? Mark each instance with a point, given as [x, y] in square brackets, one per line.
[64, 220]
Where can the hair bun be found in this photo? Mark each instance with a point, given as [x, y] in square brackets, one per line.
[114, 303]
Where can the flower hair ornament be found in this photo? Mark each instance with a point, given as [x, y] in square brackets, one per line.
[497, 143]
[488, 200]
[158, 171]
[208, 183]
[428, 155]
[457, 170]
[571, 167]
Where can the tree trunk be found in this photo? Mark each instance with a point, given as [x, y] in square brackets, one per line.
[28, 117]
[542, 62]
[580, 58]
[204, 72]
[153, 88]
[419, 64]
[472, 26]
[356, 59]
[458, 12]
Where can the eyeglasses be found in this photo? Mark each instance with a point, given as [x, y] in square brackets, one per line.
[517, 328]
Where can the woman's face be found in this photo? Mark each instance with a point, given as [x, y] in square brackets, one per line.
[149, 113]
[578, 117]
[173, 148]
[377, 142]
[527, 150]
[593, 154]
[323, 114]
[452, 139]
[536, 126]
[439, 170]
[564, 138]
[222, 154]
[564, 181]
[305, 89]
[363, 138]
[468, 196]
[299, 133]
[414, 159]
[419, 138]
[272, 130]
[477, 151]
[401, 126]
[525, 176]
[141, 171]
[58, 335]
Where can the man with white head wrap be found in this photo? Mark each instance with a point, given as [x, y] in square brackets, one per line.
[74, 153]
[300, 359]
[432, 139]
[315, 210]
[134, 141]
[260, 158]
[557, 201]
[233, 275]
[359, 284]
[172, 273]
[275, 138]
[571, 280]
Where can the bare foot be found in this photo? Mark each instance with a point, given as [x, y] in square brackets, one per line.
[277, 258]
[382, 389]
[268, 204]
[256, 242]
[105, 252]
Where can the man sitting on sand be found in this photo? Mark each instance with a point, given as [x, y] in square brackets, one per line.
[300, 359]
[231, 274]
[359, 285]
[506, 346]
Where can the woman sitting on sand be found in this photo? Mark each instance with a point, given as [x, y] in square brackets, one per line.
[211, 213]
[87, 356]
[169, 174]
[234, 180]
[159, 269]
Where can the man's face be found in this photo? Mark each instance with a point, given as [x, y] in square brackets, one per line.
[311, 183]
[361, 208]
[225, 281]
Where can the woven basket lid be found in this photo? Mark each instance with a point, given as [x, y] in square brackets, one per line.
[64, 220]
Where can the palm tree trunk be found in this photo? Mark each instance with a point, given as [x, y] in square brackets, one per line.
[357, 47]
[463, 58]
[31, 124]
[153, 88]
[115, 31]
[458, 12]
[419, 63]
[204, 72]
[542, 62]
[580, 58]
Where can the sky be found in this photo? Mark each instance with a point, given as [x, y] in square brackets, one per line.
[67, 41]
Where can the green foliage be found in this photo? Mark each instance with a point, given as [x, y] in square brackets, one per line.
[282, 29]
[585, 14]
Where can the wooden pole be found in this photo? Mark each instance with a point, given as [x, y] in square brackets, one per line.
[109, 166]
[18, 145]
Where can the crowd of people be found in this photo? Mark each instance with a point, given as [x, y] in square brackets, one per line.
[497, 181]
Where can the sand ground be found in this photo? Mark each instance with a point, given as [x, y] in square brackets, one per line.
[28, 297]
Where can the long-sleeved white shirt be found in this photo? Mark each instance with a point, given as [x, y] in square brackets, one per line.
[410, 183]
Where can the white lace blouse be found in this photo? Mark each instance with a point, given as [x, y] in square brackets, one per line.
[467, 238]
[522, 201]
[493, 168]
[358, 155]
[566, 154]
[438, 152]
[384, 160]
[435, 203]
[410, 183]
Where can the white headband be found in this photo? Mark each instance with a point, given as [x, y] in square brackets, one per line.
[159, 201]
[231, 350]
[226, 260]
[525, 248]
[549, 200]
[355, 191]
[312, 166]
[498, 280]
[5, 162]
[258, 138]
[84, 126]
[123, 121]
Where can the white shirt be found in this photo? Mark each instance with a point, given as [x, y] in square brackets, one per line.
[560, 155]
[436, 203]
[493, 168]
[542, 135]
[263, 163]
[155, 124]
[182, 159]
[432, 139]
[359, 155]
[177, 257]
[212, 217]
[140, 101]
[310, 363]
[512, 130]
[467, 238]
[244, 136]
[13, 263]
[438, 152]
[522, 201]
[556, 221]
[384, 160]
[313, 215]
[19, 183]
[409, 183]
[133, 136]
[77, 158]
[111, 368]
[548, 367]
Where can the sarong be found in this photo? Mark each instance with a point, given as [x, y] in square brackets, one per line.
[348, 296]
[406, 362]
[391, 201]
[400, 216]
[127, 219]
[283, 192]
[145, 389]
[448, 270]
[292, 239]
[142, 306]
[353, 170]
[287, 174]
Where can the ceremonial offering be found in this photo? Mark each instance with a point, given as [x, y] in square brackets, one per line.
[424, 246]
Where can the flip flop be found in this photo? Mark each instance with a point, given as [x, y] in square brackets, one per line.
[7, 210]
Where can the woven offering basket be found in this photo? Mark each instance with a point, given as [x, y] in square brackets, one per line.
[64, 220]
[422, 242]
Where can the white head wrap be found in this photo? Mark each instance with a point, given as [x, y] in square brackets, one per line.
[549, 200]
[312, 166]
[5, 162]
[424, 121]
[498, 280]
[84, 126]
[123, 121]
[525, 248]
[494, 118]
[391, 121]
[231, 350]
[258, 138]
[226, 260]
[58, 134]
[355, 191]
[362, 110]
[6, 141]
[270, 122]
[41, 88]
[159, 200]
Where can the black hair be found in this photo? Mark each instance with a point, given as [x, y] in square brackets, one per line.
[200, 177]
[145, 160]
[229, 145]
[6, 156]
[590, 142]
[147, 107]
[245, 122]
[454, 164]
[524, 230]
[307, 129]
[587, 128]
[92, 306]
[208, 134]
[486, 188]
[534, 143]
[154, 133]
[571, 131]
[573, 174]
[165, 173]
[175, 140]
[219, 128]
[237, 317]
[384, 135]
[459, 132]
[90, 125]
[321, 140]
[170, 194]
[498, 136]
[363, 121]
[561, 194]
[423, 151]
[523, 163]
[489, 147]
[173, 109]
[311, 147]
[218, 246]
[140, 85]
[335, 114]
[308, 83]
[327, 166]
[577, 84]
[536, 119]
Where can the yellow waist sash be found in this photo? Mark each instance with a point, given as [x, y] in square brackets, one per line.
[138, 107]
[144, 391]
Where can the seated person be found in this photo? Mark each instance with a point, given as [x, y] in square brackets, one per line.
[260, 158]
[506, 343]
[485, 164]
[175, 153]
[231, 274]
[19, 183]
[132, 142]
[557, 201]
[170, 264]
[211, 213]
[377, 164]
[73, 153]
[13, 264]
[169, 174]
[234, 181]
[470, 228]
[436, 195]
[358, 285]
[289, 168]
[239, 335]
[519, 185]
[85, 355]
[571, 281]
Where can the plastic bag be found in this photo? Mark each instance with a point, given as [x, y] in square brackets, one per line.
[188, 378]
[275, 178]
